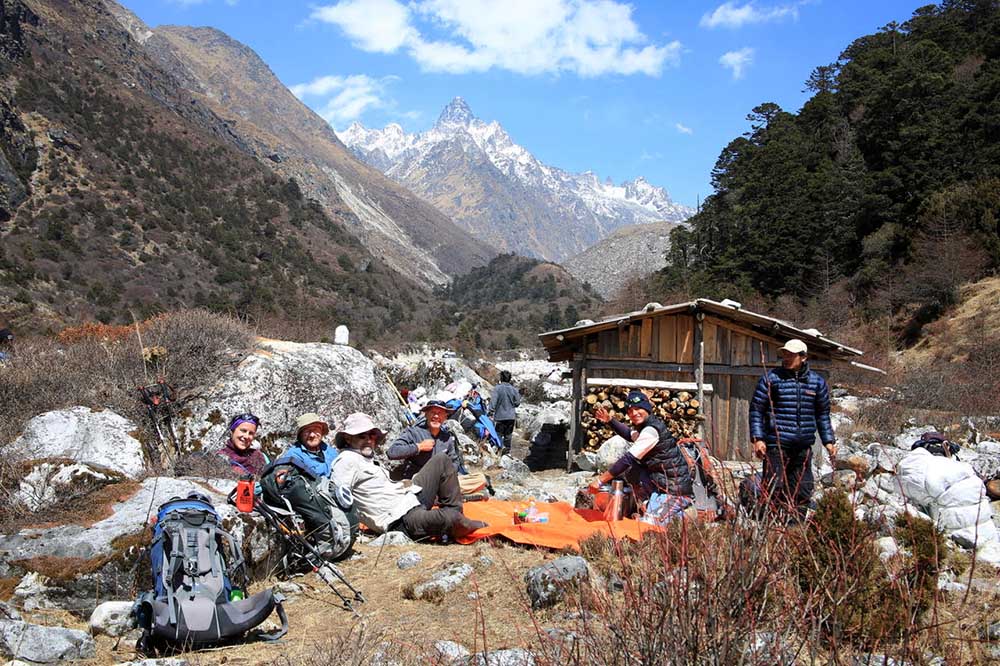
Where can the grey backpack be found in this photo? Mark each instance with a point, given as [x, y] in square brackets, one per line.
[199, 582]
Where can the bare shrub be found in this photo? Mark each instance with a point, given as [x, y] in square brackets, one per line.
[103, 372]
[532, 390]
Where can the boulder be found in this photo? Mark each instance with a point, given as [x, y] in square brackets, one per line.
[42, 645]
[512, 657]
[861, 464]
[905, 439]
[610, 451]
[845, 479]
[33, 592]
[52, 480]
[885, 458]
[409, 559]
[513, 470]
[531, 419]
[80, 434]
[586, 461]
[548, 582]
[112, 618]
[8, 612]
[442, 582]
[450, 651]
[391, 539]
[331, 380]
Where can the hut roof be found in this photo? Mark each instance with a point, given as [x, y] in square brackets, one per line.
[559, 344]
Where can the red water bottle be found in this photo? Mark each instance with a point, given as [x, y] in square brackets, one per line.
[244, 494]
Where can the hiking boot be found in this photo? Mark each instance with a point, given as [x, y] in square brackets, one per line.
[464, 526]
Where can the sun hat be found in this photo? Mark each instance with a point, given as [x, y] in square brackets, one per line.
[308, 420]
[440, 404]
[356, 424]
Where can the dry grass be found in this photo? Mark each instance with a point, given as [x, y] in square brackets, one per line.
[101, 371]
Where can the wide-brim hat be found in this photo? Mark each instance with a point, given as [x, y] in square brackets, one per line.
[795, 346]
[356, 424]
[308, 420]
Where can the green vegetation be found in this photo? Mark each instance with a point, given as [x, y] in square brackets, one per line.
[884, 186]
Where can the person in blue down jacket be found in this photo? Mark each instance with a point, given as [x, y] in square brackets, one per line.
[791, 404]
[309, 450]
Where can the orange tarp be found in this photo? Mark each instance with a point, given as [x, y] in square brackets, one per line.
[566, 527]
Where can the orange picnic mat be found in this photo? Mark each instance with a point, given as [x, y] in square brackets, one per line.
[566, 527]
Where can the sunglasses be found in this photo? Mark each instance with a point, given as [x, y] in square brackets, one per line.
[634, 400]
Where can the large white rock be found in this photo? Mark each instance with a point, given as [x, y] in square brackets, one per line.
[610, 451]
[38, 644]
[111, 619]
[530, 418]
[100, 438]
[906, 438]
[279, 381]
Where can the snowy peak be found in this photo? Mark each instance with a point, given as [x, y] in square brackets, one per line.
[457, 112]
[512, 198]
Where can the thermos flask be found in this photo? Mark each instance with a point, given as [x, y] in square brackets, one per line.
[616, 504]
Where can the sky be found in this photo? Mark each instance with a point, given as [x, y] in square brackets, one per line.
[653, 89]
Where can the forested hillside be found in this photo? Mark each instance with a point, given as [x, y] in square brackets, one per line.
[880, 196]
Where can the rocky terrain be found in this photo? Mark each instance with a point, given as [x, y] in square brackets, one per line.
[74, 558]
[497, 190]
[631, 252]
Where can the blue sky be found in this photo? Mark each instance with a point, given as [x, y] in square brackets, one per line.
[652, 89]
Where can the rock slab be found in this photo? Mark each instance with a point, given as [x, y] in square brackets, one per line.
[42, 645]
[444, 581]
[547, 583]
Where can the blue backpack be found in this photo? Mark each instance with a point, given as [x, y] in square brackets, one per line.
[194, 601]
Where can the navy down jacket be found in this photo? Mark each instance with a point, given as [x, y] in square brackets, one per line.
[789, 407]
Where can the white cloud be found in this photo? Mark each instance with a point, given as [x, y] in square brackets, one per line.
[732, 15]
[347, 97]
[737, 61]
[585, 37]
[683, 129]
[646, 156]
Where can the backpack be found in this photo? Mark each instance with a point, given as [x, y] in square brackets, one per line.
[937, 444]
[194, 601]
[325, 513]
[708, 499]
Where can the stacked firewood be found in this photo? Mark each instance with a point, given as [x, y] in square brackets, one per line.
[681, 410]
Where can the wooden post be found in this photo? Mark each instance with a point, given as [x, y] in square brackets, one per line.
[575, 431]
[699, 366]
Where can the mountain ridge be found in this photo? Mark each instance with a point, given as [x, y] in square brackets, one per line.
[537, 209]
[399, 227]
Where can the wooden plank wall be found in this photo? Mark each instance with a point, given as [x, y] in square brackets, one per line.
[670, 339]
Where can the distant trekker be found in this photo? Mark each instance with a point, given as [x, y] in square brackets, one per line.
[505, 399]
[790, 405]
[6, 344]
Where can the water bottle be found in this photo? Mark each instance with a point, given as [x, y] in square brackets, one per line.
[236, 594]
[532, 515]
[245, 494]
[616, 504]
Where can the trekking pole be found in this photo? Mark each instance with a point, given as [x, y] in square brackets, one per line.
[315, 560]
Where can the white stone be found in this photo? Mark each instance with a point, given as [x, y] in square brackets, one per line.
[330, 380]
[610, 451]
[450, 651]
[48, 480]
[100, 438]
[33, 592]
[887, 547]
[909, 435]
[39, 644]
[444, 581]
[341, 336]
[111, 619]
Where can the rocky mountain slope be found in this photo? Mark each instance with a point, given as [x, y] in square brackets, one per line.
[125, 194]
[498, 190]
[630, 252]
[230, 78]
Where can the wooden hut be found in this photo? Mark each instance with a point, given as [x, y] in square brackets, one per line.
[717, 351]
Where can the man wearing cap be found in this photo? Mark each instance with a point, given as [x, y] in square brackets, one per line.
[791, 404]
[430, 506]
[309, 450]
[654, 463]
[416, 445]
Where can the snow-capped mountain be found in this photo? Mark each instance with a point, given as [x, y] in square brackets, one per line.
[495, 188]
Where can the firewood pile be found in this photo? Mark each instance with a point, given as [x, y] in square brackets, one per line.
[680, 410]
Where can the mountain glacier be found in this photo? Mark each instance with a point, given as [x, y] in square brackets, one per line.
[497, 189]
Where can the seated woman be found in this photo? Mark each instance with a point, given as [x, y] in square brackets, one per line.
[239, 451]
[309, 450]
